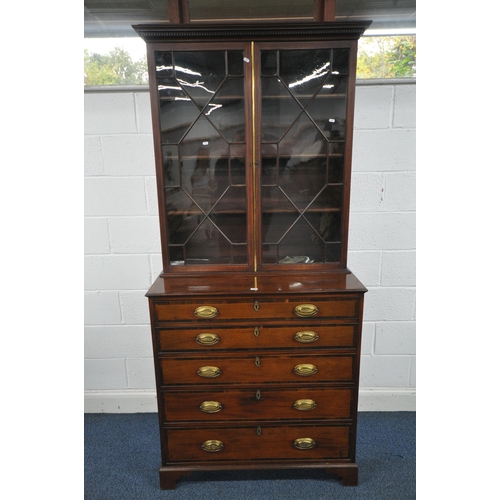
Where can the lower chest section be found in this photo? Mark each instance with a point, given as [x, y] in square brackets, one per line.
[257, 379]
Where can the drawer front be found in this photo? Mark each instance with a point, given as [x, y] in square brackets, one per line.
[210, 406]
[255, 337]
[224, 310]
[209, 370]
[251, 443]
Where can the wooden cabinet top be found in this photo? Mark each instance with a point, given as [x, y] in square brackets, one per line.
[255, 284]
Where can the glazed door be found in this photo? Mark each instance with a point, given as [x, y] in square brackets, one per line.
[305, 133]
[253, 145]
[202, 137]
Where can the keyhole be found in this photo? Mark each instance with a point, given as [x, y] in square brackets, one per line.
[256, 331]
[258, 395]
[259, 431]
[257, 361]
[256, 305]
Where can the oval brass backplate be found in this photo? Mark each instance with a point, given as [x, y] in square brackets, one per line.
[212, 445]
[306, 337]
[304, 443]
[207, 339]
[306, 310]
[209, 371]
[206, 312]
[304, 404]
[305, 370]
[211, 406]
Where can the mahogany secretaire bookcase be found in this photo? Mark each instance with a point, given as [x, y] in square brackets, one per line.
[256, 319]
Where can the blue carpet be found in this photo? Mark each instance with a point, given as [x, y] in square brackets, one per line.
[122, 458]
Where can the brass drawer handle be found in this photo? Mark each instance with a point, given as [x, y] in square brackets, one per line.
[306, 310]
[305, 370]
[209, 371]
[304, 443]
[212, 445]
[207, 338]
[305, 404]
[211, 406]
[306, 337]
[206, 312]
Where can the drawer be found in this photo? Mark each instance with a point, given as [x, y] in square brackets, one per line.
[268, 404]
[294, 442]
[254, 369]
[302, 309]
[257, 336]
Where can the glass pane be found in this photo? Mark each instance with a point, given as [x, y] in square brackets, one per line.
[300, 246]
[335, 84]
[208, 245]
[326, 226]
[279, 109]
[226, 110]
[275, 201]
[269, 62]
[235, 63]
[269, 169]
[335, 162]
[329, 115]
[304, 71]
[171, 170]
[169, 87]
[176, 116]
[182, 215]
[164, 67]
[340, 61]
[200, 73]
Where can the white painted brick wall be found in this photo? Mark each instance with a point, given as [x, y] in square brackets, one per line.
[122, 250]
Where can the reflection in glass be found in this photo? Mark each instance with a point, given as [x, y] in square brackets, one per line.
[200, 73]
[340, 61]
[227, 108]
[171, 170]
[304, 71]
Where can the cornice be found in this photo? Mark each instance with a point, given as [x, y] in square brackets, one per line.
[165, 32]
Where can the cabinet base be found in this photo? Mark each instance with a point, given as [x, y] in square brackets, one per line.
[347, 473]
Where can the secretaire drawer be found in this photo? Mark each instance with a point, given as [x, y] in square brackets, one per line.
[258, 336]
[267, 442]
[305, 308]
[262, 368]
[223, 405]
